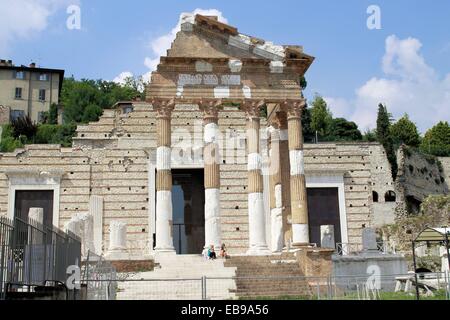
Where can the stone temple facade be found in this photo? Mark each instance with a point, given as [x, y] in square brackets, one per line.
[214, 155]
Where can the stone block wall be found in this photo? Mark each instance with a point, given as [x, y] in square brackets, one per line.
[110, 158]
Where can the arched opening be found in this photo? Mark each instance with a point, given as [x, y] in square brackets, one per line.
[375, 196]
[390, 196]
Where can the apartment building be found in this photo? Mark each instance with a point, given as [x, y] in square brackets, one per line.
[28, 90]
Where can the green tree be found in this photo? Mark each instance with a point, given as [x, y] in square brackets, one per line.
[7, 142]
[91, 113]
[343, 130]
[321, 117]
[384, 137]
[77, 96]
[437, 140]
[308, 133]
[370, 135]
[405, 131]
[53, 114]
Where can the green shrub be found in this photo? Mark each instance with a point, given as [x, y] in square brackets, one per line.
[7, 142]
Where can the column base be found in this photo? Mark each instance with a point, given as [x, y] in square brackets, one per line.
[300, 234]
[300, 245]
[259, 251]
[164, 250]
[117, 255]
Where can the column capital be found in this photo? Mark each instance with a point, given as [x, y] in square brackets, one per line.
[210, 108]
[293, 107]
[163, 107]
[280, 120]
[252, 107]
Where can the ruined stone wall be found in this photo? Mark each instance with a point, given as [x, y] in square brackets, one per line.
[419, 176]
[381, 183]
[445, 162]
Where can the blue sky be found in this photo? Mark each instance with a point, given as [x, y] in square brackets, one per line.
[405, 64]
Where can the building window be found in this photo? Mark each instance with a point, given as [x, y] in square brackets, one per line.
[20, 75]
[18, 94]
[43, 77]
[16, 114]
[390, 196]
[127, 109]
[42, 116]
[42, 95]
[375, 196]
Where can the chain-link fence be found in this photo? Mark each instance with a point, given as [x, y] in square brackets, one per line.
[99, 278]
[434, 286]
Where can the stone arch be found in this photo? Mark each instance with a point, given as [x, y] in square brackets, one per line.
[390, 196]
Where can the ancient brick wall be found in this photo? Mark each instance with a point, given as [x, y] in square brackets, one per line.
[110, 159]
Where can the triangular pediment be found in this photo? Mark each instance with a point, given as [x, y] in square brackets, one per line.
[205, 37]
[210, 59]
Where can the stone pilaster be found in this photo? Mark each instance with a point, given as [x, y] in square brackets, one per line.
[257, 223]
[299, 205]
[211, 159]
[164, 211]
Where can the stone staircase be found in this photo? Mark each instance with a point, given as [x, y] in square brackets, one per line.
[268, 276]
[180, 277]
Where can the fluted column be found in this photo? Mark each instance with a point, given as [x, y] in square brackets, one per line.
[299, 205]
[276, 190]
[164, 212]
[257, 225]
[211, 159]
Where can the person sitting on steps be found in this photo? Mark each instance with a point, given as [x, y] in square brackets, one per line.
[223, 251]
[211, 253]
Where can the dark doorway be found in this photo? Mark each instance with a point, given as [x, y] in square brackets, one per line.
[188, 200]
[323, 209]
[34, 199]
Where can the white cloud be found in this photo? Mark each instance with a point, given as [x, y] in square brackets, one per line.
[22, 19]
[122, 77]
[160, 45]
[409, 85]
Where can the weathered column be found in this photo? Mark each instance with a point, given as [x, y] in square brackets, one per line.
[37, 215]
[96, 211]
[281, 120]
[164, 213]
[257, 227]
[327, 236]
[117, 236]
[117, 241]
[276, 194]
[211, 158]
[299, 205]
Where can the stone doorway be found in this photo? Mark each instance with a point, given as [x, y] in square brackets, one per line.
[188, 200]
[26, 199]
[323, 209]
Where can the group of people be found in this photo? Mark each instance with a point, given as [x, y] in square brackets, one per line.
[210, 253]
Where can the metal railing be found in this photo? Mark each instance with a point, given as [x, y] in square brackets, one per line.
[363, 287]
[33, 254]
[345, 249]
